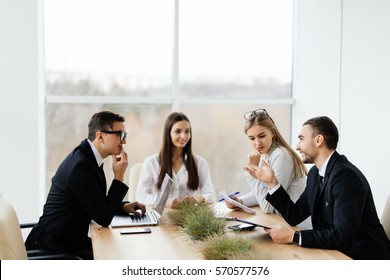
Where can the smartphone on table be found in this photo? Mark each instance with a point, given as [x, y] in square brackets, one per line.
[135, 230]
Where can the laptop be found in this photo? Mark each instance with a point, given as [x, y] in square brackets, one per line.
[151, 217]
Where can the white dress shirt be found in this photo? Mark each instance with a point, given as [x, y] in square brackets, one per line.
[98, 157]
[147, 184]
[322, 171]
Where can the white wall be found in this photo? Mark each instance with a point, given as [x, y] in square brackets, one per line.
[341, 69]
[365, 86]
[19, 103]
[316, 69]
[350, 38]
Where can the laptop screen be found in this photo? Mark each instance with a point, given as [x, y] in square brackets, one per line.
[163, 194]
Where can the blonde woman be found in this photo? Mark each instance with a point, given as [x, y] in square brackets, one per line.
[270, 146]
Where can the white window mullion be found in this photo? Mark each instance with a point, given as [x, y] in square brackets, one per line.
[175, 58]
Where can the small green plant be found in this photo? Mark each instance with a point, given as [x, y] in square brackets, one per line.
[203, 223]
[200, 223]
[185, 209]
[223, 247]
[198, 220]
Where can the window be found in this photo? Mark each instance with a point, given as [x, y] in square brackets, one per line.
[235, 49]
[212, 60]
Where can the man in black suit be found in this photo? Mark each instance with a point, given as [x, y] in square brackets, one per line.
[78, 193]
[337, 196]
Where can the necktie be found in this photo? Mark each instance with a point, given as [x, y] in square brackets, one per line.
[318, 194]
[101, 170]
[321, 182]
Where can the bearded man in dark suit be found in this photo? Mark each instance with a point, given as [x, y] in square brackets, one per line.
[337, 197]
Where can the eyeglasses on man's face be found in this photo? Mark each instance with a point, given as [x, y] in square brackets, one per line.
[252, 114]
[122, 134]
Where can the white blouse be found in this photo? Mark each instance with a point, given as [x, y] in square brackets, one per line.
[281, 162]
[147, 184]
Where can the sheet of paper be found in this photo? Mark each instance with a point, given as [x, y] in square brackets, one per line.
[236, 203]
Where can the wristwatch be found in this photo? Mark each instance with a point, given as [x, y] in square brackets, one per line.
[296, 237]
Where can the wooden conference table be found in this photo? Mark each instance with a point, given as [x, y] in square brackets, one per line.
[169, 242]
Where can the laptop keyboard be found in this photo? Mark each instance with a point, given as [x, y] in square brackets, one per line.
[143, 219]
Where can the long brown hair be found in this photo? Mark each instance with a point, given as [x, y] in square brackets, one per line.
[266, 121]
[166, 153]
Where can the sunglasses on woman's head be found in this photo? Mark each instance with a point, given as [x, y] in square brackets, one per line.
[257, 112]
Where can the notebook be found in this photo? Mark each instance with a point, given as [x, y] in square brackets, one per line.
[152, 217]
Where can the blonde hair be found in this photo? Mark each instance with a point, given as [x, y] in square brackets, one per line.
[277, 141]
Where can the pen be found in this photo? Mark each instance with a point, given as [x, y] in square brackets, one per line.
[230, 195]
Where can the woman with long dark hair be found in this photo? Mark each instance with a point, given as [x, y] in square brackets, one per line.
[191, 175]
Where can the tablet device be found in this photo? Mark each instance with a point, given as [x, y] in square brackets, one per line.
[241, 227]
[236, 203]
[245, 221]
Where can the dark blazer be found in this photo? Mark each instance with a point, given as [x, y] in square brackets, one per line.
[78, 194]
[343, 212]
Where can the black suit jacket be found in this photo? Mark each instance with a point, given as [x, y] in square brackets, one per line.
[343, 212]
[78, 194]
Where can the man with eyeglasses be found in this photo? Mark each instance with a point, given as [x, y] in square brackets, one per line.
[78, 193]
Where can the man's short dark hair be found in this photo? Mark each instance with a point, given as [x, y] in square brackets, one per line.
[325, 126]
[102, 121]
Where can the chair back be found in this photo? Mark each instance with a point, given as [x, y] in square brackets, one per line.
[134, 173]
[11, 239]
[385, 219]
